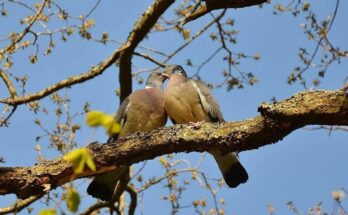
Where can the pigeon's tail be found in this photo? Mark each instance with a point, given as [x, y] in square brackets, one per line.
[231, 169]
[103, 186]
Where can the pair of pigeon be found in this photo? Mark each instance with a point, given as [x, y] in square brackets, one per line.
[185, 100]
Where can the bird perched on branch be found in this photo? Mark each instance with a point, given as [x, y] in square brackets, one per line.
[143, 110]
[191, 101]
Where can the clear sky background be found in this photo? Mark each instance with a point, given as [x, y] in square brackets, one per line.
[304, 168]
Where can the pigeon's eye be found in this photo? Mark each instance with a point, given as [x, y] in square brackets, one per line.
[181, 71]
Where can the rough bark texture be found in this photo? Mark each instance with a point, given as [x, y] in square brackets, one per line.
[275, 122]
[139, 32]
[221, 4]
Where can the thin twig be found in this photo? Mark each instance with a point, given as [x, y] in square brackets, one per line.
[331, 128]
[199, 33]
[93, 72]
[207, 61]
[8, 83]
[22, 4]
[224, 46]
[96, 206]
[4, 122]
[93, 9]
[148, 57]
[19, 205]
[169, 174]
[139, 171]
[210, 189]
[27, 29]
[320, 40]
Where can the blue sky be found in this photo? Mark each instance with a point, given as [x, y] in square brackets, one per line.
[304, 168]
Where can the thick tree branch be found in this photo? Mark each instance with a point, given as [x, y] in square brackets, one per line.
[139, 32]
[221, 4]
[275, 122]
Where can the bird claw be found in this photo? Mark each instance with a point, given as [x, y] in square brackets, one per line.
[196, 125]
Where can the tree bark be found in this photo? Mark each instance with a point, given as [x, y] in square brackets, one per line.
[141, 28]
[221, 4]
[275, 122]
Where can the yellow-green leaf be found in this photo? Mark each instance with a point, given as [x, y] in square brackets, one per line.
[79, 158]
[111, 126]
[90, 163]
[50, 211]
[94, 118]
[72, 200]
[98, 118]
[70, 31]
[37, 5]
[89, 23]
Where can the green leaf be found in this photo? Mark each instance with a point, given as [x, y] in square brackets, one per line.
[111, 126]
[98, 118]
[94, 118]
[89, 23]
[72, 200]
[50, 211]
[79, 158]
[90, 163]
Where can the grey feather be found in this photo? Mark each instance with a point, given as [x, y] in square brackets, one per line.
[208, 101]
[121, 115]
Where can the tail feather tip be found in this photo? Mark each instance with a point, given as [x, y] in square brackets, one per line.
[100, 191]
[236, 175]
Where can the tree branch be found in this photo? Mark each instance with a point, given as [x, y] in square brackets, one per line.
[124, 54]
[19, 205]
[220, 4]
[93, 72]
[148, 57]
[133, 200]
[195, 36]
[8, 83]
[139, 32]
[275, 122]
[97, 206]
[17, 39]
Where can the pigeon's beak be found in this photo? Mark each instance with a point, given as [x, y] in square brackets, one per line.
[165, 75]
